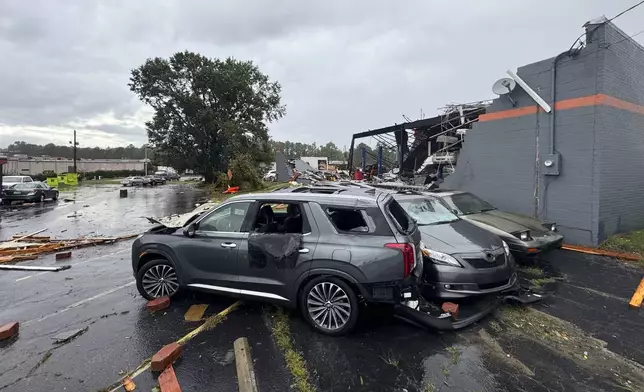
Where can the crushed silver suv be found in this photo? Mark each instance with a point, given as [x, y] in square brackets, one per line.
[324, 254]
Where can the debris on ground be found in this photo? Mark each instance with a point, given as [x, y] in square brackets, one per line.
[195, 312]
[165, 357]
[128, 384]
[68, 336]
[180, 220]
[34, 268]
[30, 246]
[9, 330]
[158, 304]
[64, 255]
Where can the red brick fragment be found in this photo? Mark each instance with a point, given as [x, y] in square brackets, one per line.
[9, 330]
[168, 380]
[158, 304]
[165, 357]
[451, 308]
[64, 255]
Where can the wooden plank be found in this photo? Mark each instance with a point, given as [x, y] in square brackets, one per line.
[195, 312]
[244, 362]
[601, 252]
[29, 235]
[638, 296]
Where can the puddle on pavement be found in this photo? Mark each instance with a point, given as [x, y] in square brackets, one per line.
[460, 368]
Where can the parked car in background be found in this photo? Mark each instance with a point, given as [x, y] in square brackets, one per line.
[8, 181]
[29, 192]
[133, 181]
[271, 175]
[153, 180]
[524, 235]
[461, 259]
[323, 254]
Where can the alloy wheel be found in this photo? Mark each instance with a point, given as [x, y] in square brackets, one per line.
[328, 305]
[160, 281]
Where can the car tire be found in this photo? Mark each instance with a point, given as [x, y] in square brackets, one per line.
[151, 271]
[336, 292]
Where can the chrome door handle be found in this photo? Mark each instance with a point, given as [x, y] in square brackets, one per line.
[304, 250]
[228, 245]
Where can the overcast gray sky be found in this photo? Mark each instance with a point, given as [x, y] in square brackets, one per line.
[345, 66]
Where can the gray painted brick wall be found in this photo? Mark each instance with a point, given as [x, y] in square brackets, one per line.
[619, 141]
[600, 190]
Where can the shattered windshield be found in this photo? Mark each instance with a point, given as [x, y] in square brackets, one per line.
[467, 203]
[428, 211]
[29, 185]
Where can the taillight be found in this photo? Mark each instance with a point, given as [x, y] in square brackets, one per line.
[408, 256]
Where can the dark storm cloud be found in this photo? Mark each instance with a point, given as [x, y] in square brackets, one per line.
[345, 66]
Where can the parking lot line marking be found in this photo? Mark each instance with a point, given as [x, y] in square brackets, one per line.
[80, 262]
[80, 303]
[210, 323]
[638, 296]
[195, 313]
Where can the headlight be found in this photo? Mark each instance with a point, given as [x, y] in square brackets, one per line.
[550, 226]
[440, 258]
[506, 248]
[524, 235]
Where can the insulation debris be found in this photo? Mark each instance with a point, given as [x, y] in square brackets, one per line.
[30, 246]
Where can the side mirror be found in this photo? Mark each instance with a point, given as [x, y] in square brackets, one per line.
[190, 230]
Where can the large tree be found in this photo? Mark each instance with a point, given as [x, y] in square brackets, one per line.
[207, 111]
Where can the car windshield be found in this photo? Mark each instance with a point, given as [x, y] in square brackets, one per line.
[467, 203]
[427, 211]
[11, 179]
[25, 186]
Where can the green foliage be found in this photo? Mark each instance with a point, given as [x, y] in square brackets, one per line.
[296, 150]
[632, 242]
[245, 173]
[207, 111]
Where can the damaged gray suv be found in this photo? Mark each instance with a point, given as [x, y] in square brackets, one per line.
[324, 254]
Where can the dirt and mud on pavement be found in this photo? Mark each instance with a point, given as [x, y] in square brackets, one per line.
[86, 328]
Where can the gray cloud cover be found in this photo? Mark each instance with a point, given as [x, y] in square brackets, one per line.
[345, 66]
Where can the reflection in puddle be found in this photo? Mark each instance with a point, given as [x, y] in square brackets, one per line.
[458, 368]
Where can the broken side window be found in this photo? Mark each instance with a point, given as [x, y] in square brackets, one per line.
[281, 218]
[348, 219]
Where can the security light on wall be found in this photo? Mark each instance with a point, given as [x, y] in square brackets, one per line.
[504, 86]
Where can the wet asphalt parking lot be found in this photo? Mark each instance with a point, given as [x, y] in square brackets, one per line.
[582, 337]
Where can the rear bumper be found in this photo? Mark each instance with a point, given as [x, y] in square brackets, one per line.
[451, 283]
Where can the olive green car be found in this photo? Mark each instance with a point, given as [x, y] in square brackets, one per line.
[524, 235]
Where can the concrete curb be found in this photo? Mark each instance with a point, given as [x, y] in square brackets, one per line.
[244, 363]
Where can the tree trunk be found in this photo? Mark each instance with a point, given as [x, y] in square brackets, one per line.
[210, 177]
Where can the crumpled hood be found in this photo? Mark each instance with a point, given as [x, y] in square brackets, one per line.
[507, 222]
[180, 220]
[458, 237]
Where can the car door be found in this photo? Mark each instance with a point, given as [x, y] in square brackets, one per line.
[270, 278]
[209, 258]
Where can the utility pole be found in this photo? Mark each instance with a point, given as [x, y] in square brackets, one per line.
[145, 162]
[74, 148]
